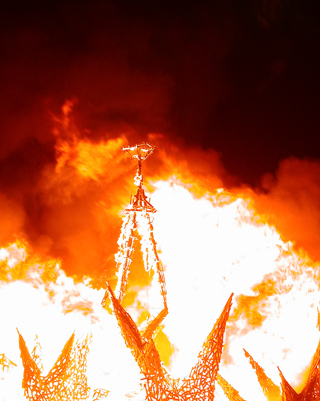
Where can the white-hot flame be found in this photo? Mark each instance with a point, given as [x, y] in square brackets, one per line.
[210, 246]
[52, 310]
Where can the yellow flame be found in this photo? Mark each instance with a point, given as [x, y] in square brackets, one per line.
[211, 244]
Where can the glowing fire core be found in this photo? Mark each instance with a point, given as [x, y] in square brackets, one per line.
[211, 244]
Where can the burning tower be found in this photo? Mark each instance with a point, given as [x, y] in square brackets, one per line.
[138, 220]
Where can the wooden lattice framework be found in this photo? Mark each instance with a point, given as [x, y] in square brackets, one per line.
[310, 392]
[138, 221]
[66, 381]
[270, 390]
[5, 363]
[158, 384]
[231, 393]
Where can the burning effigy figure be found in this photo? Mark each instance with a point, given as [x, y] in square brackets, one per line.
[158, 384]
[66, 381]
[138, 220]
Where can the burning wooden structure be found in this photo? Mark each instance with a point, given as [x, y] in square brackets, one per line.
[231, 393]
[138, 219]
[5, 363]
[272, 392]
[158, 384]
[66, 381]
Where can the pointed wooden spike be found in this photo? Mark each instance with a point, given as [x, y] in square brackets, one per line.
[63, 360]
[129, 330]
[231, 393]
[155, 323]
[311, 390]
[201, 382]
[31, 372]
[288, 393]
[66, 381]
[270, 390]
[156, 381]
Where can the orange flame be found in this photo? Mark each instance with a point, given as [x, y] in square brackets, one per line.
[211, 241]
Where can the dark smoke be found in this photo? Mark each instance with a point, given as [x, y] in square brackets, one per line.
[238, 81]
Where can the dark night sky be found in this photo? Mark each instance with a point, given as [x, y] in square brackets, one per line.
[241, 77]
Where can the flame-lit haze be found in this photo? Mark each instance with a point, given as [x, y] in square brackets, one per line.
[211, 241]
[228, 94]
